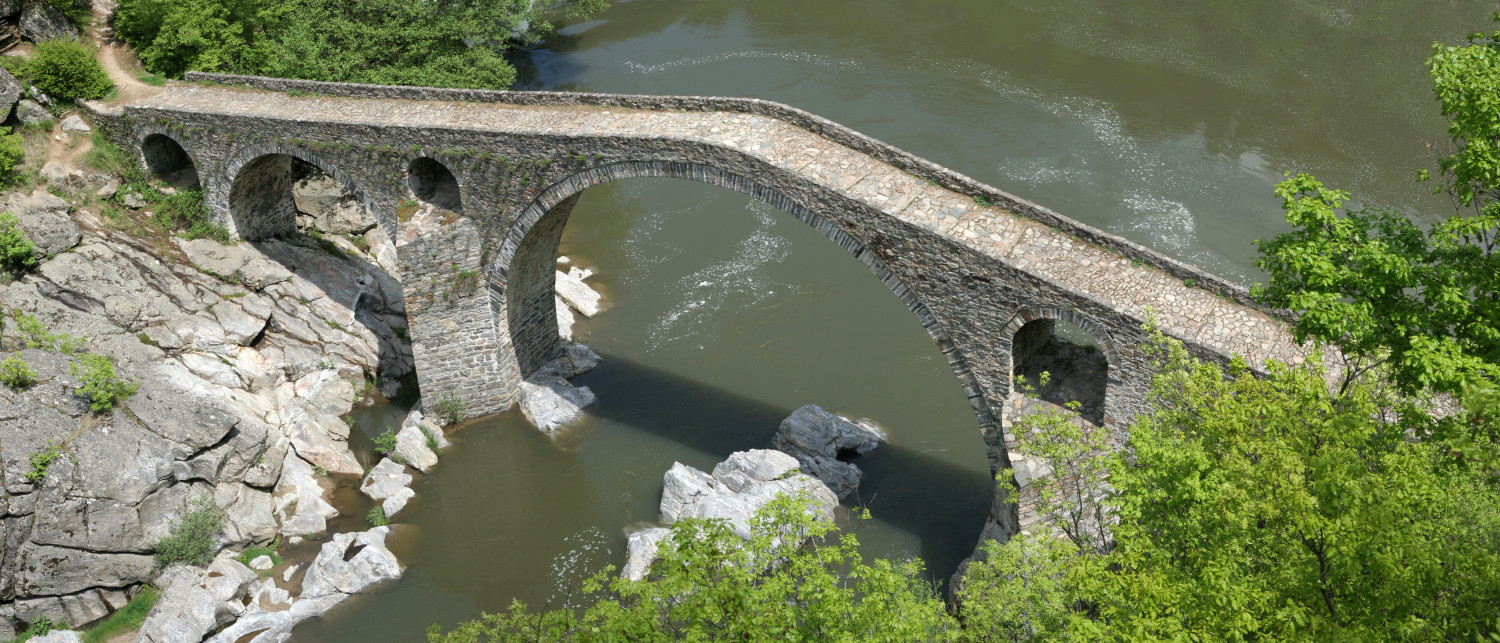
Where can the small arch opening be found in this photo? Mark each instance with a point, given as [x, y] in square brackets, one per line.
[1077, 370]
[432, 182]
[167, 161]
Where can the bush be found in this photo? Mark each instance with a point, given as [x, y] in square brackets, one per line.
[185, 214]
[450, 408]
[16, 373]
[67, 70]
[100, 384]
[193, 540]
[42, 626]
[377, 517]
[12, 151]
[17, 253]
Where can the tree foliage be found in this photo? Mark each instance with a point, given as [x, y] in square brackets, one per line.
[1422, 303]
[1264, 508]
[452, 43]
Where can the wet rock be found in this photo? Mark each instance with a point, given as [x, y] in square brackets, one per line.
[739, 487]
[822, 441]
[641, 549]
[351, 563]
[30, 113]
[75, 125]
[195, 601]
[580, 296]
[550, 402]
[41, 21]
[576, 360]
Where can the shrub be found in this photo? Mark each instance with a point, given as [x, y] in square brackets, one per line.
[432, 441]
[12, 150]
[41, 460]
[192, 540]
[16, 373]
[67, 70]
[451, 409]
[385, 444]
[17, 253]
[377, 517]
[99, 383]
[42, 626]
[185, 214]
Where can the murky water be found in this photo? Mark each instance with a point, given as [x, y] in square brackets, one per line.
[1166, 123]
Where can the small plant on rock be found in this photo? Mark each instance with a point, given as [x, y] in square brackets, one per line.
[41, 460]
[193, 539]
[385, 444]
[99, 382]
[451, 408]
[16, 373]
[12, 150]
[432, 441]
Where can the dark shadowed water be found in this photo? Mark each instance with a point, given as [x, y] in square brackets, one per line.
[1164, 122]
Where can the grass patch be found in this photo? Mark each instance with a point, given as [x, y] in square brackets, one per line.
[252, 553]
[41, 460]
[154, 80]
[126, 619]
[377, 517]
[432, 441]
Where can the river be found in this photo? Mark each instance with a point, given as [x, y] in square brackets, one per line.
[1166, 123]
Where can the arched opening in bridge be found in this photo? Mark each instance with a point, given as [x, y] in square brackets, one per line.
[168, 162]
[432, 182]
[299, 211]
[1075, 366]
[723, 315]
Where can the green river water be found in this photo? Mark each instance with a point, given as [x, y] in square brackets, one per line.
[1164, 122]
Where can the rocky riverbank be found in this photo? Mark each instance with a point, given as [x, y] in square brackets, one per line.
[245, 357]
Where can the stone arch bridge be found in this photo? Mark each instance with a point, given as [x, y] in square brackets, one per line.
[977, 266]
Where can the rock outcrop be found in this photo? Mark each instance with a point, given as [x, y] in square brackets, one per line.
[245, 356]
[41, 21]
[823, 442]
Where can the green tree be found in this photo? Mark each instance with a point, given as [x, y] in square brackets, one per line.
[67, 70]
[1264, 508]
[12, 151]
[458, 43]
[1423, 305]
[794, 580]
[99, 383]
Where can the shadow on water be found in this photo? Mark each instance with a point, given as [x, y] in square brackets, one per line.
[941, 504]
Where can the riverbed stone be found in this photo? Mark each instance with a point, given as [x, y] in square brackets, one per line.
[576, 360]
[739, 487]
[822, 441]
[411, 446]
[350, 564]
[549, 402]
[385, 480]
[578, 295]
[641, 549]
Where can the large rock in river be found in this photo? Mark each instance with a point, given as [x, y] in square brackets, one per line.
[739, 487]
[823, 442]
